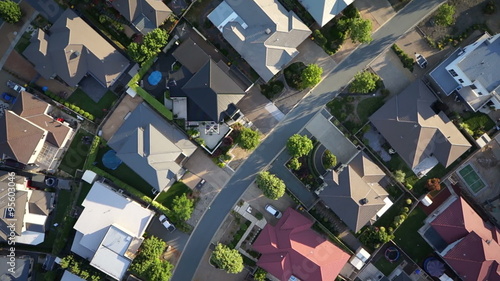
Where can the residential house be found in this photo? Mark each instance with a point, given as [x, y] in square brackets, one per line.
[68, 276]
[469, 245]
[30, 213]
[471, 73]
[354, 192]
[291, 250]
[144, 15]
[71, 50]
[153, 148]
[109, 230]
[20, 272]
[263, 32]
[29, 134]
[210, 94]
[418, 131]
[324, 11]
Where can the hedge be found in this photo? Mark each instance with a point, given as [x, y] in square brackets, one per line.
[153, 102]
[406, 60]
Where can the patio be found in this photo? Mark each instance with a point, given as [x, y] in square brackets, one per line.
[213, 133]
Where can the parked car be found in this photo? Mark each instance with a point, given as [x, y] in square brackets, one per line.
[8, 98]
[167, 224]
[273, 211]
[16, 87]
[14, 164]
[421, 61]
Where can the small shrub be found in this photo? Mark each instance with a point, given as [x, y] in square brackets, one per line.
[408, 201]
[489, 8]
[319, 38]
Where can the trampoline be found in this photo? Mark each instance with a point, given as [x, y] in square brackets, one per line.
[391, 254]
[434, 267]
[154, 78]
[110, 161]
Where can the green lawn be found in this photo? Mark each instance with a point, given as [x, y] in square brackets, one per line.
[62, 205]
[83, 192]
[385, 266]
[75, 156]
[368, 106]
[410, 241]
[388, 217]
[23, 42]
[478, 122]
[419, 184]
[177, 189]
[125, 174]
[99, 110]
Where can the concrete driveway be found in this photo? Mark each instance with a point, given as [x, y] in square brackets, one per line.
[391, 70]
[253, 105]
[176, 239]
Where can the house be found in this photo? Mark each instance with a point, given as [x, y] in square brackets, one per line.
[324, 11]
[469, 245]
[291, 250]
[68, 276]
[30, 213]
[71, 50]
[263, 32]
[144, 15]
[21, 271]
[418, 131]
[210, 94]
[354, 192]
[472, 73]
[109, 230]
[153, 148]
[29, 134]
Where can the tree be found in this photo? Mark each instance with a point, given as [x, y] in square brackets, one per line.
[10, 11]
[248, 139]
[227, 259]
[298, 145]
[360, 30]
[260, 275]
[182, 207]
[272, 186]
[444, 15]
[294, 164]
[148, 265]
[399, 176]
[329, 160]
[364, 82]
[433, 184]
[311, 75]
[137, 52]
[160, 270]
[155, 40]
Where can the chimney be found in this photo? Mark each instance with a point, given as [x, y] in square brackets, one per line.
[268, 31]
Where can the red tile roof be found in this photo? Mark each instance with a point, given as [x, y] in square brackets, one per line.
[475, 259]
[458, 220]
[293, 248]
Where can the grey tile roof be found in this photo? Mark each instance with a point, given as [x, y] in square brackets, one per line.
[72, 50]
[269, 36]
[39, 203]
[346, 190]
[21, 199]
[415, 131]
[190, 55]
[324, 10]
[442, 77]
[145, 15]
[151, 147]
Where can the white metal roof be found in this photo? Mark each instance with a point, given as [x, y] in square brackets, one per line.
[89, 176]
[68, 276]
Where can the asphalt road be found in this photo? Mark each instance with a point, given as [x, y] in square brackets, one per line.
[200, 239]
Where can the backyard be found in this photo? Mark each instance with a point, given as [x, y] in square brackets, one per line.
[353, 112]
[75, 156]
[99, 109]
[125, 174]
[476, 123]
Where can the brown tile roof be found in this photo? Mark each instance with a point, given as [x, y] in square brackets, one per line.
[19, 137]
[415, 131]
[293, 248]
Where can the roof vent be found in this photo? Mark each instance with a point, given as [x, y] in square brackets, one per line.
[363, 201]
[268, 31]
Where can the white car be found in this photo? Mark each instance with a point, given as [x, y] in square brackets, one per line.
[273, 211]
[421, 61]
[16, 87]
[168, 225]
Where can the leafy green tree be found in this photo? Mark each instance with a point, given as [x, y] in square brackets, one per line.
[155, 40]
[272, 186]
[298, 145]
[137, 52]
[248, 139]
[67, 261]
[329, 160]
[10, 11]
[260, 275]
[294, 164]
[444, 15]
[360, 30]
[151, 250]
[182, 207]
[364, 82]
[311, 75]
[160, 270]
[227, 259]
[399, 176]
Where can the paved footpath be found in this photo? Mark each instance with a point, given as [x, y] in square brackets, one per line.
[202, 236]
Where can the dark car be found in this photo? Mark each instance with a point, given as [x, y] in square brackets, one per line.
[8, 98]
[14, 164]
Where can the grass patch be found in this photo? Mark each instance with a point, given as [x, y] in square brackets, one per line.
[125, 174]
[388, 217]
[419, 184]
[368, 106]
[409, 240]
[99, 109]
[23, 42]
[385, 266]
[166, 198]
[85, 189]
[75, 156]
[478, 123]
